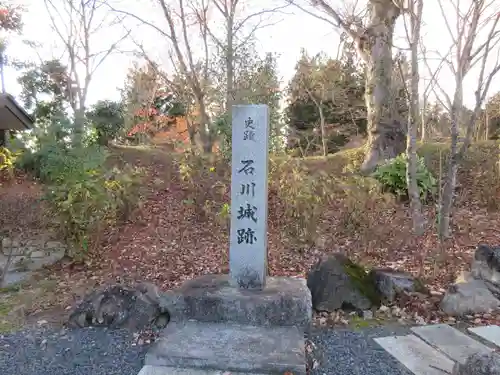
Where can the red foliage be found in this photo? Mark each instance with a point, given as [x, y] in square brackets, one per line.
[10, 18]
[139, 128]
[146, 112]
[152, 126]
[150, 116]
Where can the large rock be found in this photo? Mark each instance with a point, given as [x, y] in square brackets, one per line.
[119, 306]
[479, 364]
[336, 282]
[486, 264]
[472, 297]
[391, 283]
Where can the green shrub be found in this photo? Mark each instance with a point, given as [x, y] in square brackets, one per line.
[45, 146]
[84, 195]
[7, 163]
[84, 204]
[392, 176]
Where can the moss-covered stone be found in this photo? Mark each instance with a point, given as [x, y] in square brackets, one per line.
[338, 283]
[361, 279]
[420, 286]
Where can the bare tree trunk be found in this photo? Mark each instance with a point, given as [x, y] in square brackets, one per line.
[319, 105]
[192, 134]
[450, 182]
[230, 65]
[322, 125]
[193, 69]
[198, 82]
[447, 198]
[75, 24]
[3, 133]
[190, 128]
[486, 125]
[2, 72]
[233, 40]
[411, 146]
[205, 133]
[385, 135]
[423, 125]
[79, 125]
[465, 54]
[456, 155]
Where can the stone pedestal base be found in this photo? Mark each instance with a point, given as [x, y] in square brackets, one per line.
[214, 326]
[285, 301]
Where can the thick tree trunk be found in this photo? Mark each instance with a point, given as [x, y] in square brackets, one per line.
[386, 138]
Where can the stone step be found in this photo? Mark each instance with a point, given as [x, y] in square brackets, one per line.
[417, 356]
[450, 341]
[435, 349]
[164, 370]
[229, 347]
[489, 333]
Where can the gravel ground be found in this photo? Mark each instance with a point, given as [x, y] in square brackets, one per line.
[98, 351]
[80, 352]
[353, 352]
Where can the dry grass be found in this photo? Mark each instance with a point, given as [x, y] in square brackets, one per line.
[24, 303]
[316, 206]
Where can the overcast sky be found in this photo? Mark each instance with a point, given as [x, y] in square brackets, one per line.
[293, 31]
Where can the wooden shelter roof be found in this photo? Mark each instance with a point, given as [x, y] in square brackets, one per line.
[12, 115]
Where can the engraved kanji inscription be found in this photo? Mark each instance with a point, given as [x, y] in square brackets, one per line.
[248, 189]
[246, 236]
[248, 212]
[247, 167]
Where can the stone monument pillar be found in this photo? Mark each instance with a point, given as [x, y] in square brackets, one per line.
[250, 154]
[244, 322]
